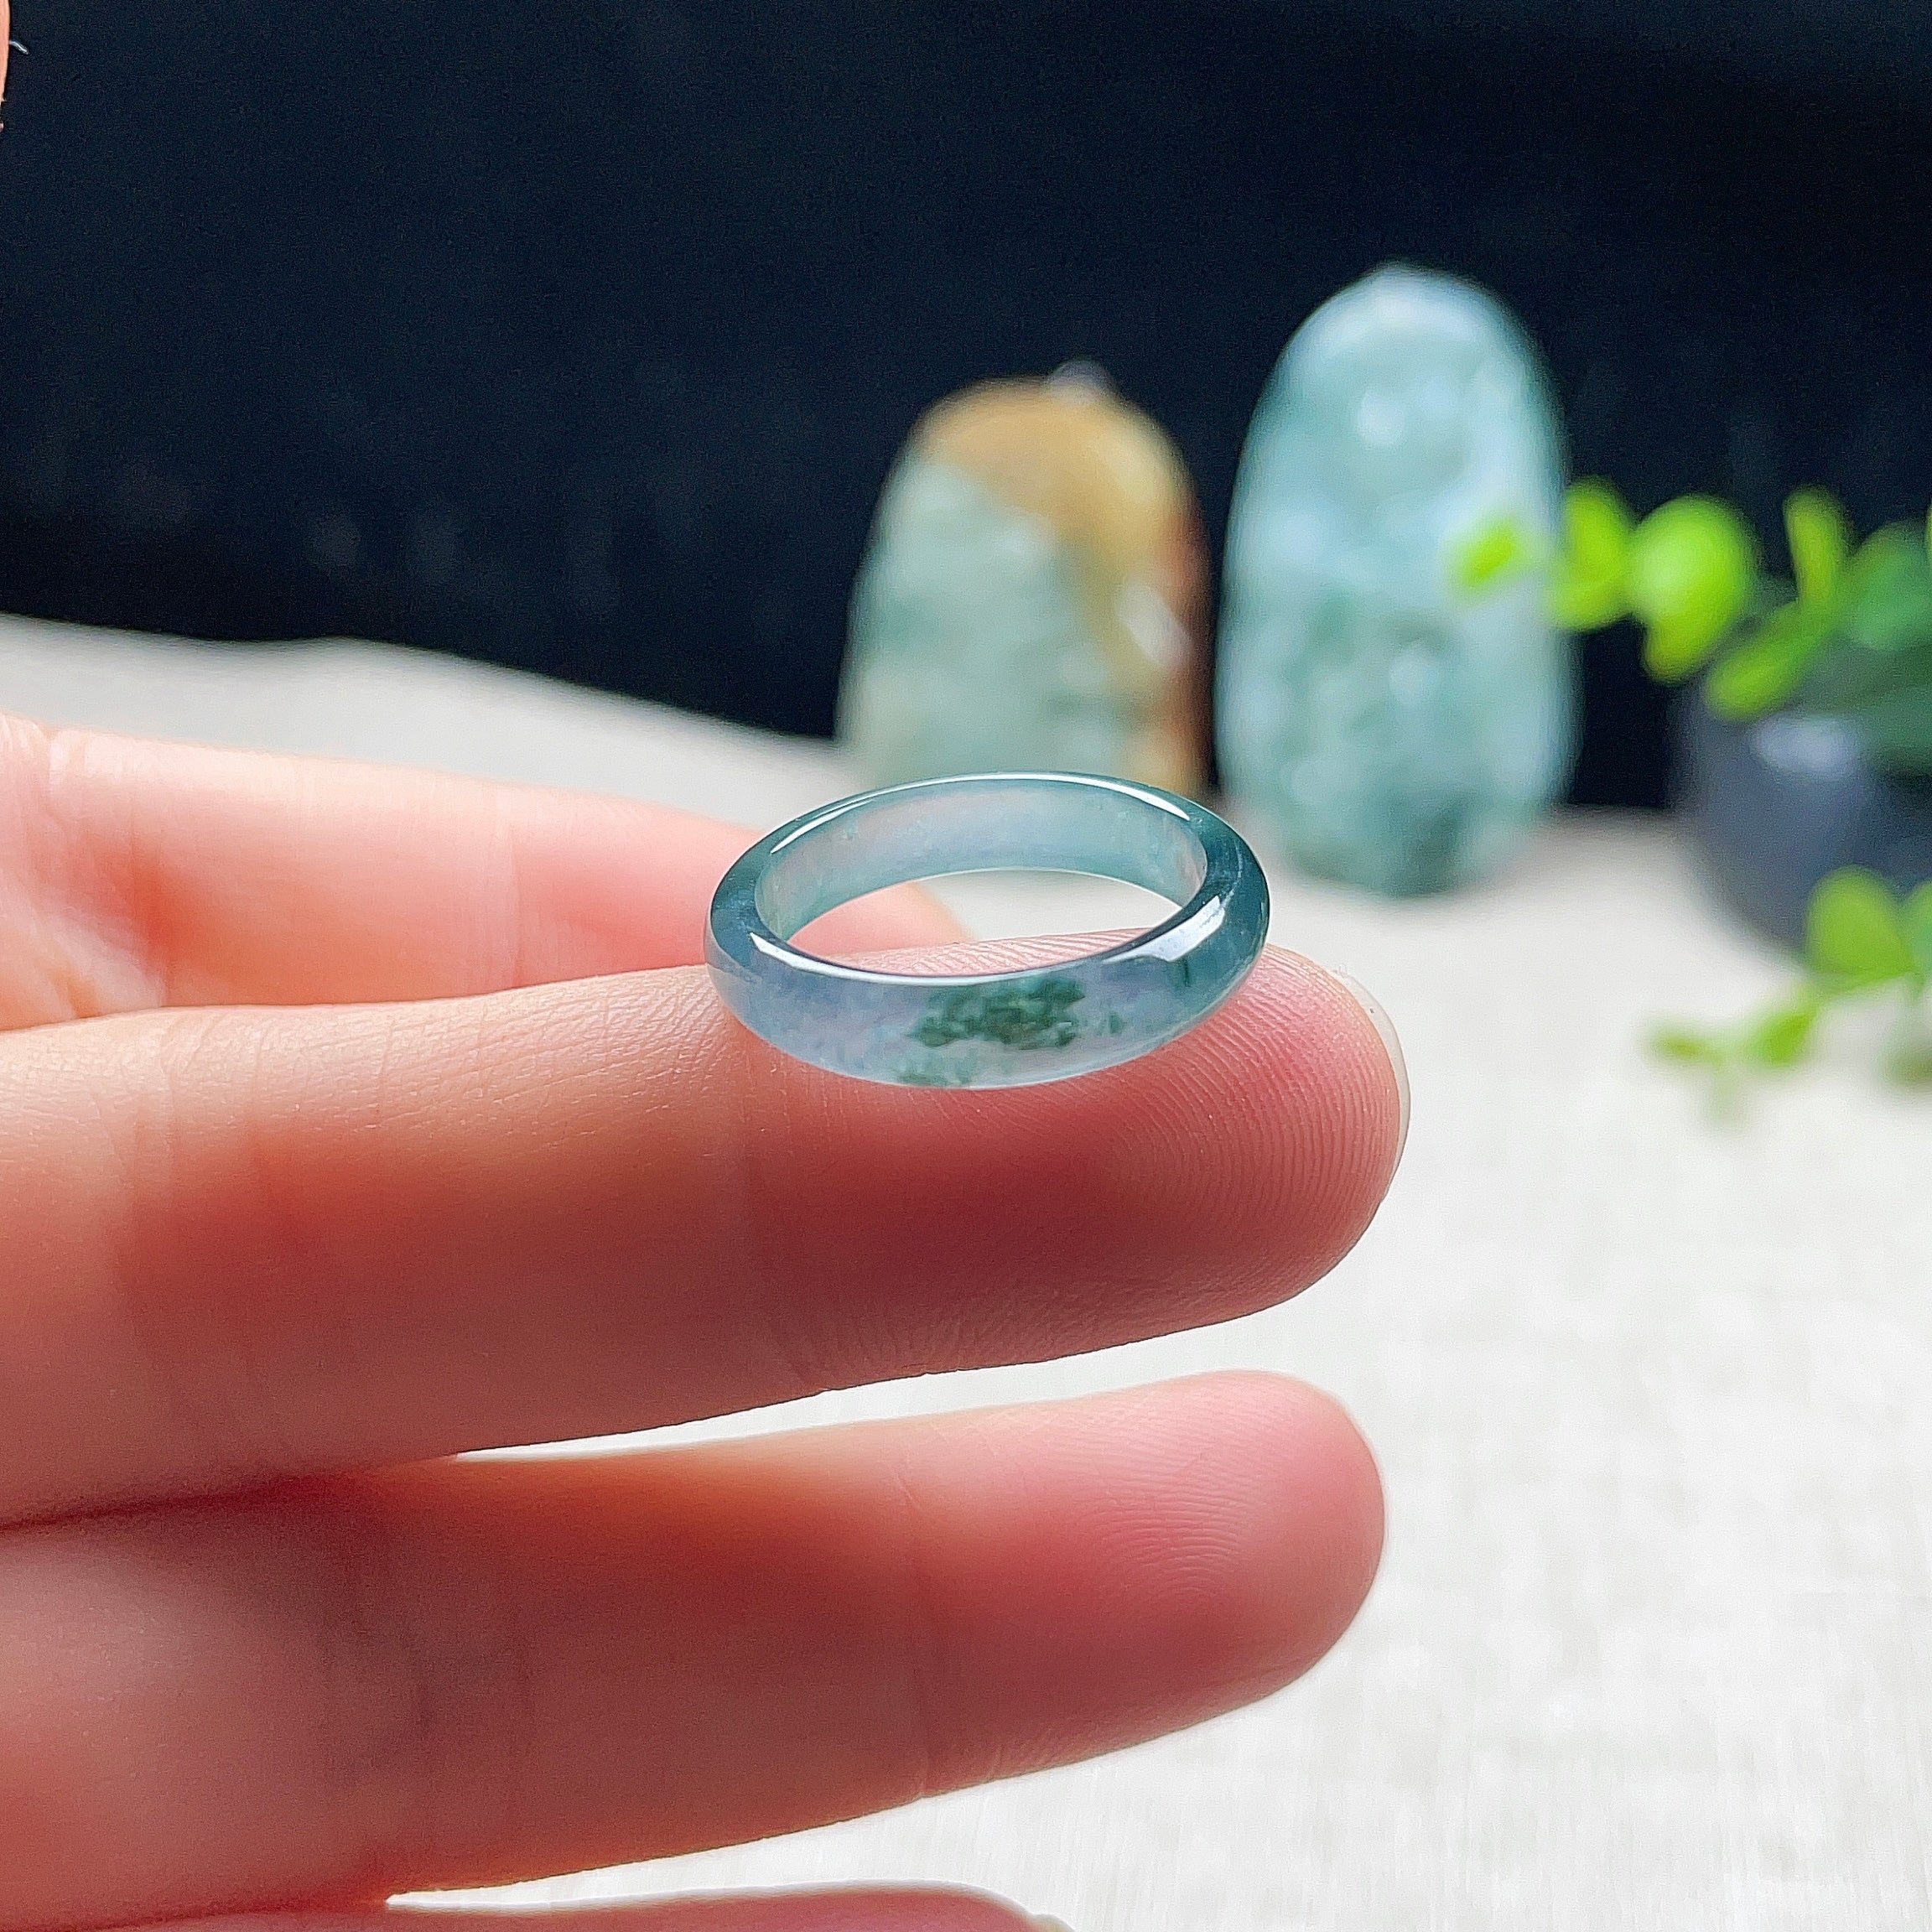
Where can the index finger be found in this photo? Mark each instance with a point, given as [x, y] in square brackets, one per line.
[249, 1244]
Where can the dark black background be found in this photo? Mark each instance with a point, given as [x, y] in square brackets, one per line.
[580, 335]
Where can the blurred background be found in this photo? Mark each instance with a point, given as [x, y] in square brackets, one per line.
[581, 337]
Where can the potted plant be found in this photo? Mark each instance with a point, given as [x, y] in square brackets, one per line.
[1808, 748]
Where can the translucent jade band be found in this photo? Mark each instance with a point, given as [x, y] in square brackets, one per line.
[988, 1029]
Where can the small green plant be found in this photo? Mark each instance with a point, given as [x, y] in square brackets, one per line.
[1848, 634]
[1862, 941]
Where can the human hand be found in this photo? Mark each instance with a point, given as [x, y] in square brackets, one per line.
[351, 1118]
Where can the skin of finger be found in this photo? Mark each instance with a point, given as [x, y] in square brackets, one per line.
[137, 874]
[870, 1909]
[251, 1244]
[472, 1673]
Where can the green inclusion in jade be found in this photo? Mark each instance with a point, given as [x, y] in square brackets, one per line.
[1033, 1014]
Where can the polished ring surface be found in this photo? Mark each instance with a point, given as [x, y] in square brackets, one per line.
[1010, 1029]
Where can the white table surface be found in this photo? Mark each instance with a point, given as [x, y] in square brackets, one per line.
[1650, 1646]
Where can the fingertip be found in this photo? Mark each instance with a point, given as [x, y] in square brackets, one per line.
[1169, 1553]
[1213, 1177]
[1288, 1494]
[1351, 1041]
[866, 1909]
[1287, 1112]
[1384, 1022]
[1323, 1547]
[897, 1910]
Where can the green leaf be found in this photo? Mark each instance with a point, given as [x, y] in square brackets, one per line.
[1693, 565]
[1490, 555]
[1847, 675]
[1895, 727]
[1819, 534]
[1909, 1062]
[1688, 1046]
[1915, 917]
[1783, 1036]
[1887, 592]
[1589, 588]
[1758, 674]
[1854, 931]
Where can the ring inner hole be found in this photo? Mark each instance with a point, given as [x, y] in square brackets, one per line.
[1042, 831]
[1057, 915]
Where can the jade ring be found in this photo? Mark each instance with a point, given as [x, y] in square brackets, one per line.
[1010, 1029]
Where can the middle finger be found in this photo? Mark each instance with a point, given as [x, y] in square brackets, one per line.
[467, 1673]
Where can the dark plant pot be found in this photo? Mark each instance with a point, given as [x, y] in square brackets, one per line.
[1776, 804]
